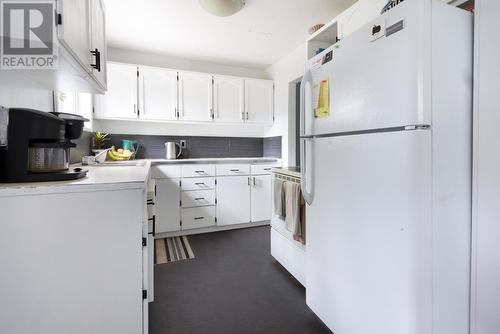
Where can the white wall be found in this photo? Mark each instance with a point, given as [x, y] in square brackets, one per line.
[172, 128]
[486, 189]
[284, 72]
[288, 69]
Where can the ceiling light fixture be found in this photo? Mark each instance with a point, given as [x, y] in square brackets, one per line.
[222, 7]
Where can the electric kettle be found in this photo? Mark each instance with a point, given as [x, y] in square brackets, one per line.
[171, 151]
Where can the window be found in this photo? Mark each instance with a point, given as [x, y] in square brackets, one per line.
[75, 103]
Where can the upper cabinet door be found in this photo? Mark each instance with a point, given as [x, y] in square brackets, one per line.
[228, 99]
[120, 101]
[73, 32]
[98, 41]
[195, 97]
[259, 101]
[157, 94]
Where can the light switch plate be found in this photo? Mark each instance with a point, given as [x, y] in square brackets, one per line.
[378, 30]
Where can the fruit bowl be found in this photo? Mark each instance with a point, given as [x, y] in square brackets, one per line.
[119, 154]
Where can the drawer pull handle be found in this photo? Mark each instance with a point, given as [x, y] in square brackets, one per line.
[200, 183]
[199, 172]
[267, 168]
[198, 218]
[234, 170]
[199, 198]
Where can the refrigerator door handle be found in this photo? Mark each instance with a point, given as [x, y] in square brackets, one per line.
[305, 92]
[306, 169]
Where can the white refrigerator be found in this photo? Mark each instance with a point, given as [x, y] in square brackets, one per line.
[386, 172]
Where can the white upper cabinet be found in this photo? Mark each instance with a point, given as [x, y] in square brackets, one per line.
[195, 97]
[98, 41]
[259, 101]
[229, 99]
[120, 101]
[74, 27]
[157, 94]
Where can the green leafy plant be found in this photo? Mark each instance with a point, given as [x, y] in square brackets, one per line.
[99, 139]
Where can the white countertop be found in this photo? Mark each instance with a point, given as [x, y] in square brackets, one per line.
[99, 178]
[215, 160]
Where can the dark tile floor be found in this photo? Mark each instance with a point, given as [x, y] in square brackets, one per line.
[233, 286]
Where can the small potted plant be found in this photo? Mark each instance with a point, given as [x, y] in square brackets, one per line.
[99, 139]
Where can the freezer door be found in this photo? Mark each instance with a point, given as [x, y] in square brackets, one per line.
[375, 84]
[369, 234]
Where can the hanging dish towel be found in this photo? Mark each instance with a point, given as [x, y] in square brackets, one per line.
[279, 198]
[292, 208]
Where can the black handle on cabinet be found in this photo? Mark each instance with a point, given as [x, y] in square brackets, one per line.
[234, 170]
[200, 183]
[153, 233]
[198, 218]
[199, 198]
[97, 64]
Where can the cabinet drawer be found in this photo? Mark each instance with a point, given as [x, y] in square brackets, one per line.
[262, 169]
[198, 198]
[198, 217]
[165, 172]
[198, 183]
[198, 170]
[232, 170]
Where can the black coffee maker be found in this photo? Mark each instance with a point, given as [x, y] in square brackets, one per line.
[34, 145]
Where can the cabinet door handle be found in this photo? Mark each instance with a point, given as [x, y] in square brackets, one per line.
[198, 218]
[234, 170]
[97, 54]
[254, 181]
[199, 198]
[267, 168]
[243, 116]
[199, 172]
[135, 108]
[153, 233]
[246, 115]
[212, 114]
[248, 180]
[200, 184]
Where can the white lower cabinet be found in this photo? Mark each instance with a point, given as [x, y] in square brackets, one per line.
[209, 195]
[198, 217]
[261, 198]
[233, 200]
[167, 205]
[195, 198]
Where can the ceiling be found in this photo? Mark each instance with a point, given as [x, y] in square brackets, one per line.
[260, 34]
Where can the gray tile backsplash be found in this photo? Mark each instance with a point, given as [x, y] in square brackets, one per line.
[83, 146]
[152, 147]
[272, 147]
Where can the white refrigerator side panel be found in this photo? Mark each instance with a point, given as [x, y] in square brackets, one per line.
[369, 237]
[485, 308]
[451, 147]
[379, 84]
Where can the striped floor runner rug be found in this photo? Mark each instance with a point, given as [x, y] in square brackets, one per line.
[172, 249]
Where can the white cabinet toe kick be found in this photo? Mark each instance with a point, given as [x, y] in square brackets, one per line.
[201, 198]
